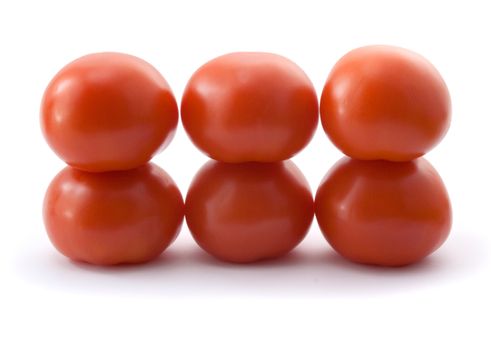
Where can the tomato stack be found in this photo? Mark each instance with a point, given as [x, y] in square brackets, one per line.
[384, 107]
[250, 112]
[106, 115]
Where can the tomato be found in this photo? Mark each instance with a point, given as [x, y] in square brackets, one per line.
[382, 102]
[108, 111]
[115, 217]
[383, 213]
[250, 211]
[250, 106]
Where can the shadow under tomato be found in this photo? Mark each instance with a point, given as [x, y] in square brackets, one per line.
[312, 270]
[166, 259]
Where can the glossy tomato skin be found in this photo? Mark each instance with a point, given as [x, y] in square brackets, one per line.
[250, 107]
[382, 102]
[115, 217]
[383, 213]
[248, 212]
[108, 111]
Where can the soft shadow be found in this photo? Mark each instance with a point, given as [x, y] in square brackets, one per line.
[167, 260]
[311, 270]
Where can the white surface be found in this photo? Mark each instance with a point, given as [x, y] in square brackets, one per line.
[310, 299]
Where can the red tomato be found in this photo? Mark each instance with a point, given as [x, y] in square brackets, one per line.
[115, 217]
[383, 102]
[250, 211]
[383, 213]
[247, 106]
[108, 111]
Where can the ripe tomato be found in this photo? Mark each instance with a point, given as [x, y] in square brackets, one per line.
[249, 211]
[115, 217]
[382, 102]
[383, 213]
[108, 111]
[247, 106]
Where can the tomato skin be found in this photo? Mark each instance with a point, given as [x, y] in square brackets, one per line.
[108, 111]
[382, 102]
[115, 217]
[383, 213]
[250, 211]
[250, 107]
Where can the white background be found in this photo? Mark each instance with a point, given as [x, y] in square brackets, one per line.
[311, 298]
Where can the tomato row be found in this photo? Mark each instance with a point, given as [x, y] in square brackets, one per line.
[376, 212]
[111, 111]
[106, 115]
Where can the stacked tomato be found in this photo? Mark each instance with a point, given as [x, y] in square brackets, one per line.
[384, 107]
[250, 112]
[106, 115]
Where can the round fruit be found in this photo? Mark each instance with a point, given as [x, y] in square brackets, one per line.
[383, 102]
[250, 211]
[383, 213]
[108, 111]
[115, 217]
[247, 106]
